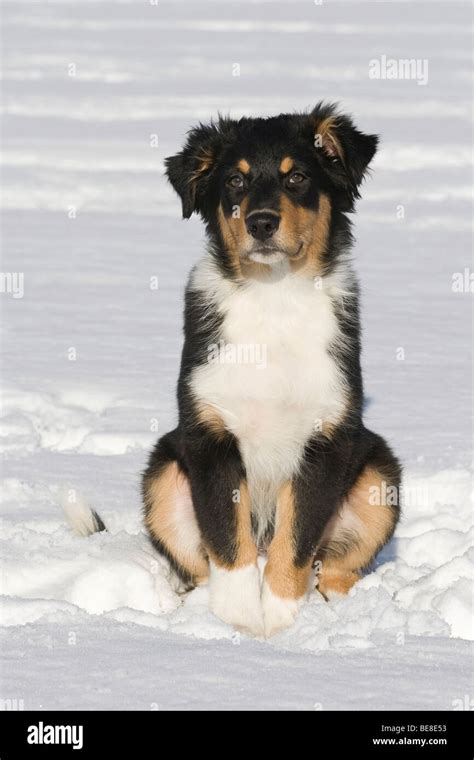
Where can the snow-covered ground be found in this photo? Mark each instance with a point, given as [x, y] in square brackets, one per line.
[95, 95]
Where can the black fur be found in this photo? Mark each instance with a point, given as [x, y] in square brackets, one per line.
[199, 174]
[226, 140]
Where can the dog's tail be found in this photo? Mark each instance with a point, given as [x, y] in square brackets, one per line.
[83, 520]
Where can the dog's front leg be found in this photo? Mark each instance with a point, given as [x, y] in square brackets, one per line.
[304, 506]
[222, 505]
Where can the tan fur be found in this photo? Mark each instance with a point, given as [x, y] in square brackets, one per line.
[254, 270]
[211, 419]
[327, 131]
[354, 535]
[245, 548]
[302, 225]
[286, 165]
[205, 161]
[320, 236]
[301, 230]
[234, 233]
[284, 578]
[335, 582]
[329, 428]
[163, 522]
[243, 166]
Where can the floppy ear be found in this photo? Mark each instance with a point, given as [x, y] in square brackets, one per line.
[345, 152]
[189, 171]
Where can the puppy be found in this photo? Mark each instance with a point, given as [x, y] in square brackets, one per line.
[270, 455]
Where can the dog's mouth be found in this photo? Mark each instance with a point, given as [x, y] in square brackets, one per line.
[272, 254]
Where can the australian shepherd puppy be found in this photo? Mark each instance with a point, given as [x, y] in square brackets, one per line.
[270, 456]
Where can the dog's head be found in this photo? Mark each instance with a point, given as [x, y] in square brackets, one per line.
[268, 189]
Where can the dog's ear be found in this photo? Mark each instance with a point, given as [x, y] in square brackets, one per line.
[190, 170]
[345, 151]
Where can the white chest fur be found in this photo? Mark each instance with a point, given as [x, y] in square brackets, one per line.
[271, 378]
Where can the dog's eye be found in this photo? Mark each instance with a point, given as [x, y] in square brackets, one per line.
[296, 178]
[236, 181]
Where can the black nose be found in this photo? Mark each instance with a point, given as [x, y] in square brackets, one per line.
[262, 225]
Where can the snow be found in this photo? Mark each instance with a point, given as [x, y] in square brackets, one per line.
[91, 352]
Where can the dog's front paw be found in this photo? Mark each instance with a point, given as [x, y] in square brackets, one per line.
[278, 612]
[235, 598]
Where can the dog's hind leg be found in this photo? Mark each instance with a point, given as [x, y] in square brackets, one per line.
[170, 518]
[364, 523]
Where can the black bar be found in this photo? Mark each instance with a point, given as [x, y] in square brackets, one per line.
[377, 734]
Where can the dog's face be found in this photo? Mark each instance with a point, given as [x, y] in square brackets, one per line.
[268, 188]
[272, 200]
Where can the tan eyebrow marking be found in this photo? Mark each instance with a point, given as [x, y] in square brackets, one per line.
[243, 166]
[286, 165]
